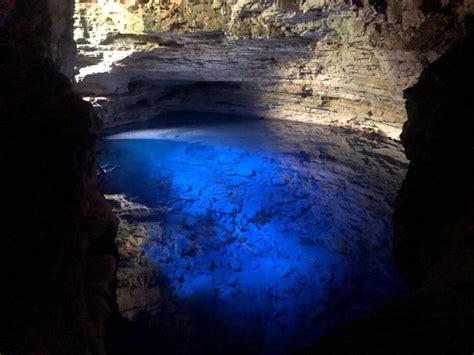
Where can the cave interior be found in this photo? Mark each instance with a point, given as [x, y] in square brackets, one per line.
[238, 176]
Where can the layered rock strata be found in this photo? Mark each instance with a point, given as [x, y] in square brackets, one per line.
[318, 61]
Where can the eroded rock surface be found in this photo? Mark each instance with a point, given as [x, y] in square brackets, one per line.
[345, 64]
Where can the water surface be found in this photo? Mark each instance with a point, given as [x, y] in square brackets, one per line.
[263, 234]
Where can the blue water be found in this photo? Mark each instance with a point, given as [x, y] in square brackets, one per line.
[265, 234]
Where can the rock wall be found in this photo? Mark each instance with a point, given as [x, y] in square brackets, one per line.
[57, 243]
[45, 29]
[62, 47]
[434, 229]
[436, 204]
[358, 59]
[243, 18]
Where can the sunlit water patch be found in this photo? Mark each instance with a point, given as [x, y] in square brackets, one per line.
[263, 234]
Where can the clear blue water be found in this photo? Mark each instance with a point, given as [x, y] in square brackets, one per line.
[270, 233]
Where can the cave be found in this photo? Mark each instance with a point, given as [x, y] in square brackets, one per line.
[238, 177]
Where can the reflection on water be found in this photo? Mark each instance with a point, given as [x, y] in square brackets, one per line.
[264, 234]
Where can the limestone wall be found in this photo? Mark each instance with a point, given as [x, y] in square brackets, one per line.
[246, 17]
[362, 55]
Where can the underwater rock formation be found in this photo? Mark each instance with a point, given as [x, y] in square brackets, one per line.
[249, 236]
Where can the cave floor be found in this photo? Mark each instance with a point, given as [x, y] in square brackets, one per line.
[253, 236]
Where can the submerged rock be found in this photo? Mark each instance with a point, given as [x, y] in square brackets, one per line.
[265, 257]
